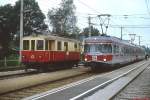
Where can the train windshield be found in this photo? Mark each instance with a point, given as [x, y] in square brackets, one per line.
[100, 48]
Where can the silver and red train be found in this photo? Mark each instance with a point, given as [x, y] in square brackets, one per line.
[45, 51]
[108, 50]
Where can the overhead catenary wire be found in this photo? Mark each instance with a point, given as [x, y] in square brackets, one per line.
[88, 6]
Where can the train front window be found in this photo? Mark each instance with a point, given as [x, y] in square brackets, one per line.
[100, 48]
[25, 44]
[40, 44]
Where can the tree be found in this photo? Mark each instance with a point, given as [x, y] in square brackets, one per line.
[33, 17]
[7, 26]
[10, 22]
[94, 31]
[63, 19]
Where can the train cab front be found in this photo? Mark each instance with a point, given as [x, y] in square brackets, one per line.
[98, 54]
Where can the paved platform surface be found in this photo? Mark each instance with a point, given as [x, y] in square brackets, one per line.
[139, 89]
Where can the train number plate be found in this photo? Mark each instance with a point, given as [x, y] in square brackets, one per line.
[94, 58]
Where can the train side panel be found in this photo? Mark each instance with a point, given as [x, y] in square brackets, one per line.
[49, 56]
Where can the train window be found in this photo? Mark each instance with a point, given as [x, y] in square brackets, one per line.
[32, 44]
[106, 48]
[116, 49]
[66, 46]
[58, 45]
[103, 48]
[25, 44]
[40, 44]
[75, 46]
[46, 45]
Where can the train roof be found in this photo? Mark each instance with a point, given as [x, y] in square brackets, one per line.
[109, 39]
[49, 37]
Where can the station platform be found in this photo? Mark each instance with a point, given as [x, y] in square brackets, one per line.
[138, 89]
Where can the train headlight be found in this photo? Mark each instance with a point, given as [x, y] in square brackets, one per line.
[85, 59]
[104, 59]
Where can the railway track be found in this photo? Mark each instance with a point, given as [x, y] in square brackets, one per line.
[15, 74]
[25, 91]
[21, 73]
[20, 94]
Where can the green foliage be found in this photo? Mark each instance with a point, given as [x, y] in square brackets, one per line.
[10, 23]
[33, 17]
[63, 19]
[7, 26]
[94, 31]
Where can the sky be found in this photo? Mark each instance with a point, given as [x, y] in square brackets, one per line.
[123, 13]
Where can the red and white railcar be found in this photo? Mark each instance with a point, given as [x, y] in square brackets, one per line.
[108, 50]
[44, 51]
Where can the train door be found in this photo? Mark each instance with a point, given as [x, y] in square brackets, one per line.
[50, 45]
[116, 53]
[51, 48]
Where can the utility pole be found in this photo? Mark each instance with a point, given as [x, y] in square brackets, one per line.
[21, 29]
[73, 27]
[89, 20]
[139, 40]
[102, 28]
[121, 33]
